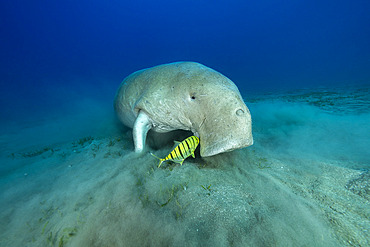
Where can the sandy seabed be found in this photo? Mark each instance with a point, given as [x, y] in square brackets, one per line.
[305, 181]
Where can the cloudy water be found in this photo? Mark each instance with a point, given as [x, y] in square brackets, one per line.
[69, 175]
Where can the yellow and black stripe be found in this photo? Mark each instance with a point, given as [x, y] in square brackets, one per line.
[182, 151]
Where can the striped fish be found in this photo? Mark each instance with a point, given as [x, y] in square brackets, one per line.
[181, 151]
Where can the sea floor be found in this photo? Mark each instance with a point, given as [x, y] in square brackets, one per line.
[305, 181]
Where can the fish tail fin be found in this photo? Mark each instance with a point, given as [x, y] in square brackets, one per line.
[160, 160]
[155, 156]
[160, 163]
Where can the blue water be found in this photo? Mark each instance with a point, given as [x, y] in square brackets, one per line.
[68, 175]
[50, 50]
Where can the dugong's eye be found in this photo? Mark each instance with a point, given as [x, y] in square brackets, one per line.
[239, 112]
[192, 96]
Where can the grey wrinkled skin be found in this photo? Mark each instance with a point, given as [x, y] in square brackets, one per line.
[186, 96]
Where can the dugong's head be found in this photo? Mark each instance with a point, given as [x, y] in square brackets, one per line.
[216, 110]
[187, 96]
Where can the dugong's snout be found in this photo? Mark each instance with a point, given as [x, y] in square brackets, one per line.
[225, 145]
[226, 133]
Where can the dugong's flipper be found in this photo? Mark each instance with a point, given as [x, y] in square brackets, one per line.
[141, 127]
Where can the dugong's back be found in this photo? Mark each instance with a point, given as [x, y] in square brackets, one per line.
[156, 89]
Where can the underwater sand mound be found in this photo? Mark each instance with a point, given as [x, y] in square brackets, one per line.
[298, 185]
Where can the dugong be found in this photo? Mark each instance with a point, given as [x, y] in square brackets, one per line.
[185, 96]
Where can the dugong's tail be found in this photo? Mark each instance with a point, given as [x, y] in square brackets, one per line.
[160, 160]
